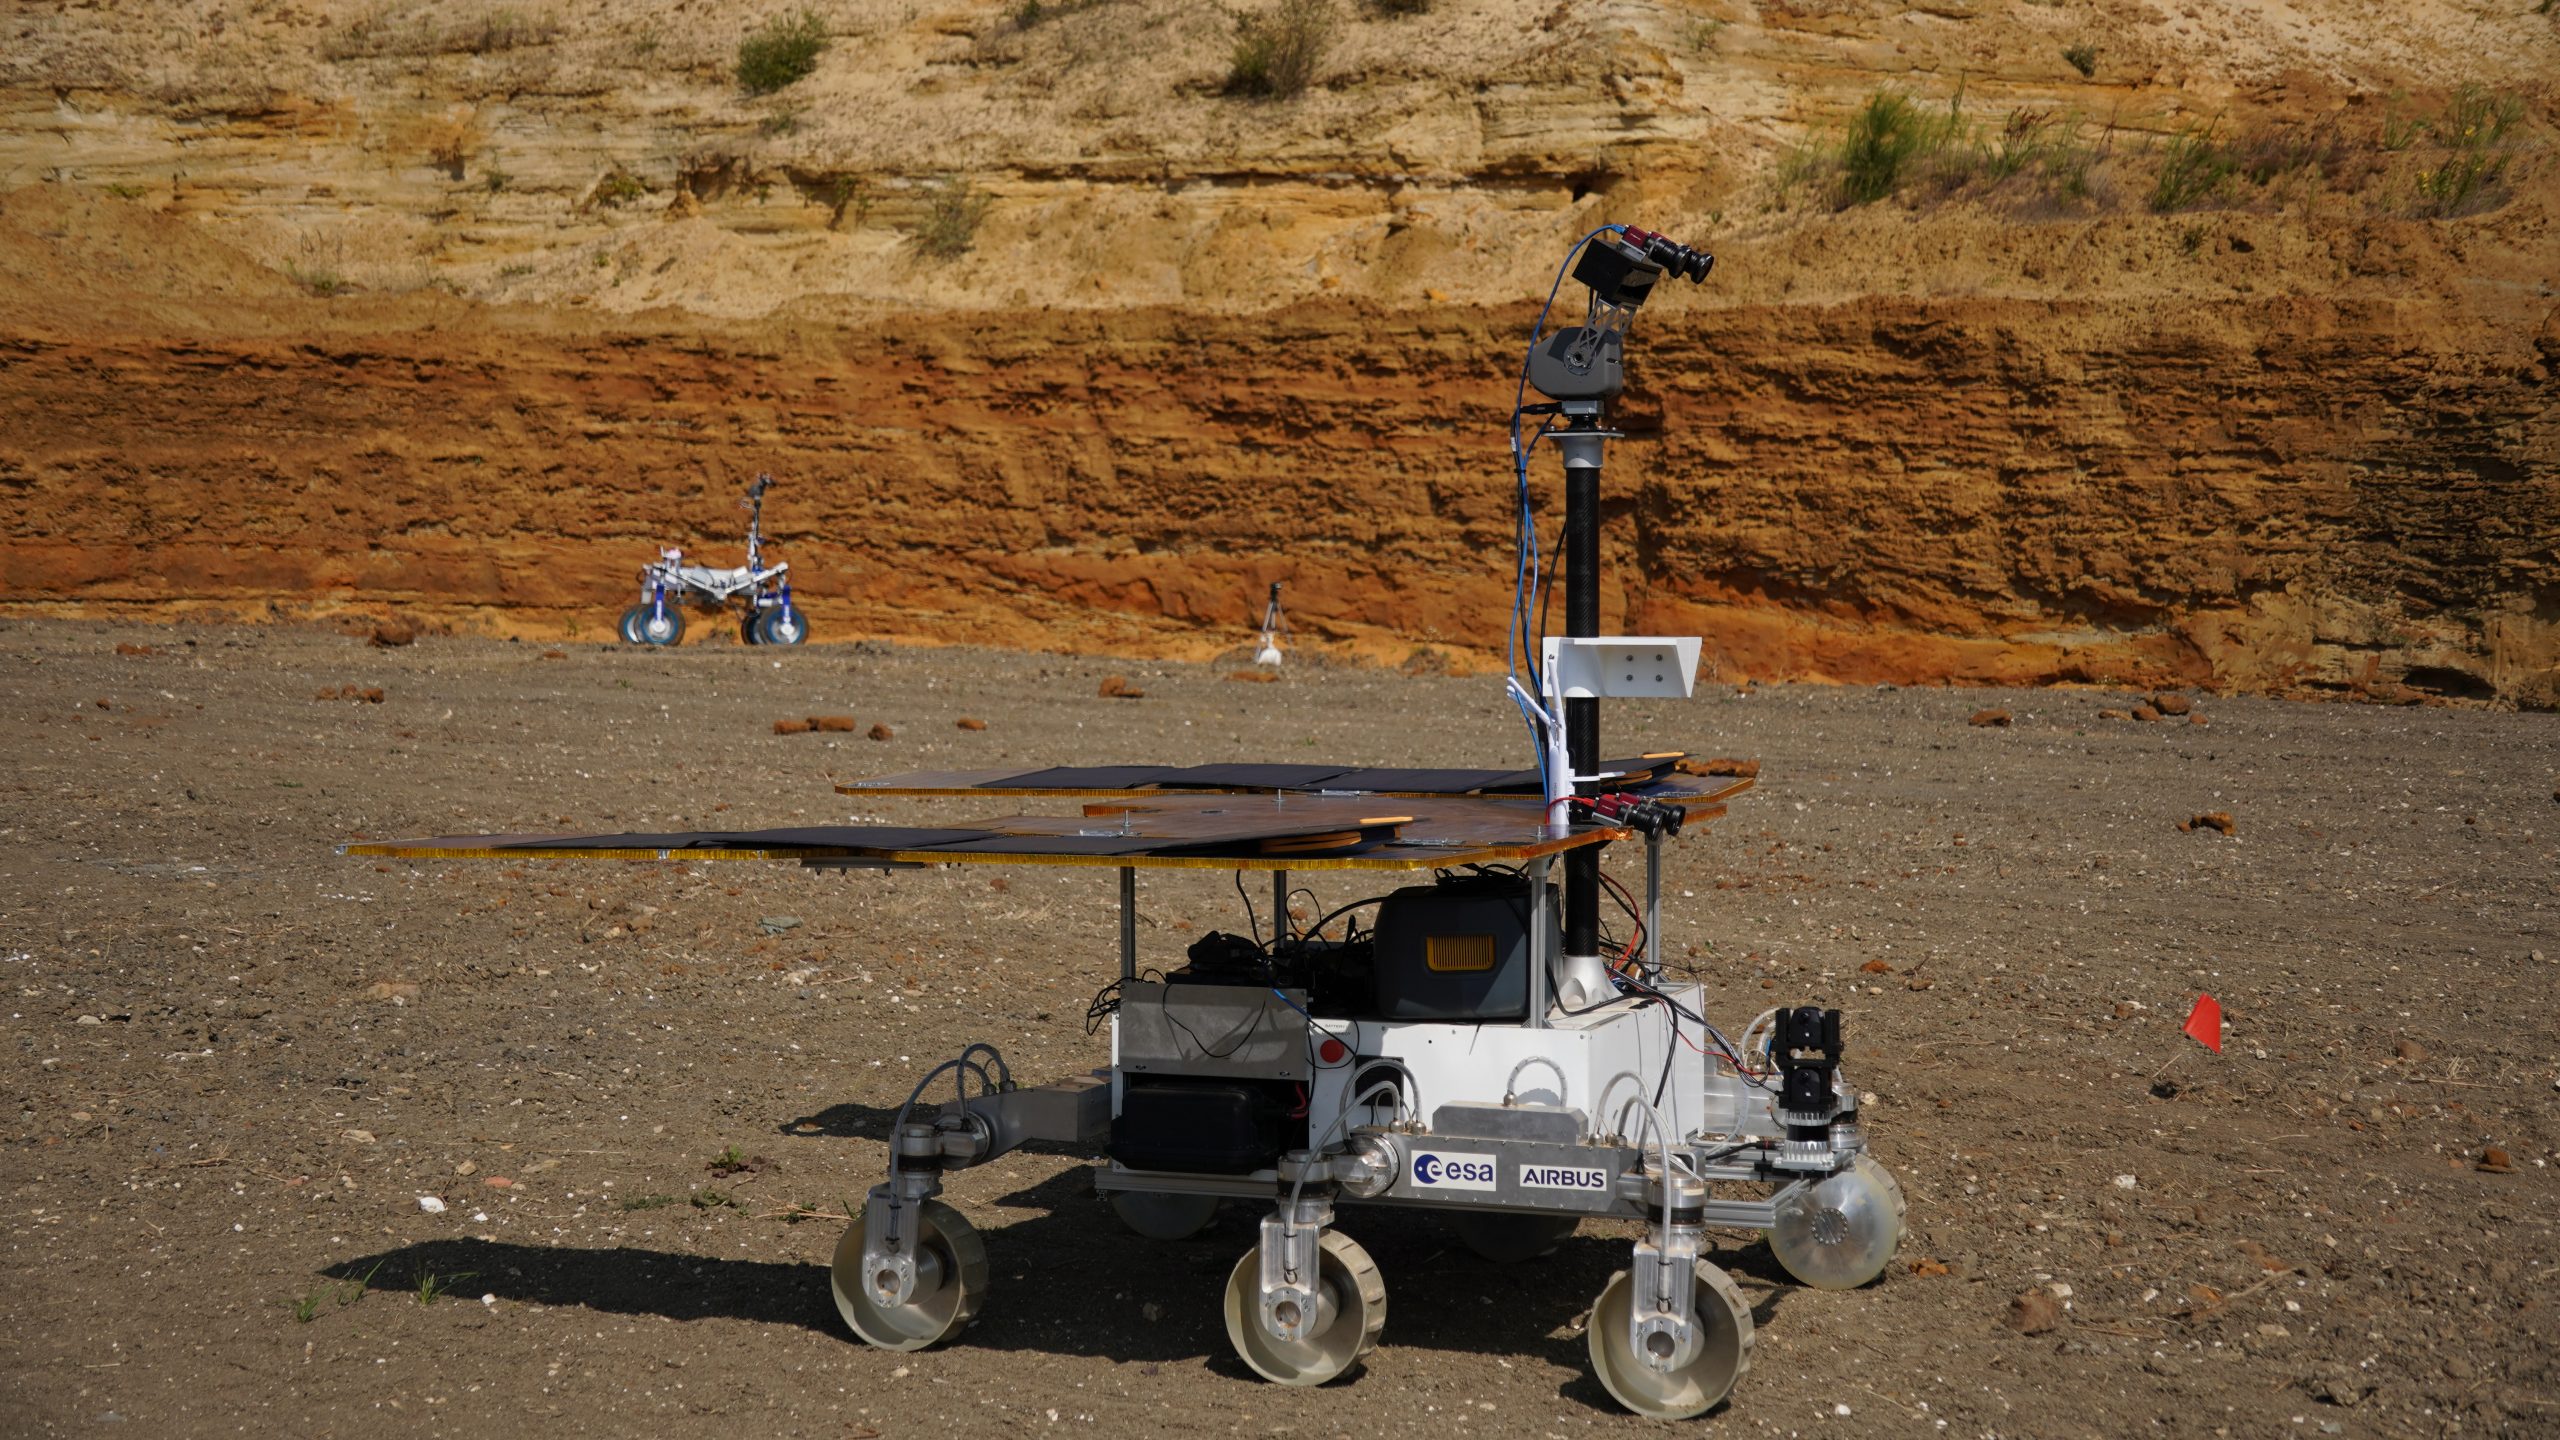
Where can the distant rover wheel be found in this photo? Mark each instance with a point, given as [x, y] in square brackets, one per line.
[660, 625]
[951, 1283]
[1163, 1215]
[1841, 1232]
[747, 627]
[782, 627]
[1509, 1239]
[629, 625]
[1723, 1358]
[1352, 1291]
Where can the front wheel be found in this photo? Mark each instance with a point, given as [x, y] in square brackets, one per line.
[1840, 1232]
[951, 1283]
[661, 625]
[781, 627]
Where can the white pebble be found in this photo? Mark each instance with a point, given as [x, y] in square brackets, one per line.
[431, 1204]
[2124, 1182]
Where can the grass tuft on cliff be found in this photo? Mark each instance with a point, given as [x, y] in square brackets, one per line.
[782, 54]
[953, 210]
[1277, 52]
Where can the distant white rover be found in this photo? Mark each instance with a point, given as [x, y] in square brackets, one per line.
[769, 617]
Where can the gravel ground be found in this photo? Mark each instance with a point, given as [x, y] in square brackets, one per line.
[238, 1060]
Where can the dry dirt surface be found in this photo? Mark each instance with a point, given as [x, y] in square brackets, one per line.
[237, 1061]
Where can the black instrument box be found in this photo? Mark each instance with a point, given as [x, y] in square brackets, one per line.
[1458, 951]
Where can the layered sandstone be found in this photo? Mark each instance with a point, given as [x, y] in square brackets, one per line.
[319, 309]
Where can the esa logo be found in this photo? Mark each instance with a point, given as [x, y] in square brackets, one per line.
[1454, 1172]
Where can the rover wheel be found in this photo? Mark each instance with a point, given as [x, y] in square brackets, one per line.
[747, 624]
[1509, 1239]
[1163, 1215]
[1840, 1232]
[782, 627]
[1351, 1310]
[951, 1283]
[629, 626]
[1723, 1357]
[660, 625]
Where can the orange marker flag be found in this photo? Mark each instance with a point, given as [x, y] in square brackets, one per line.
[2204, 1023]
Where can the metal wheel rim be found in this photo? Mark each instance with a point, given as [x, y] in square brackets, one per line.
[660, 629]
[1360, 1313]
[1510, 1239]
[951, 1283]
[1694, 1388]
[783, 627]
[629, 625]
[1162, 1214]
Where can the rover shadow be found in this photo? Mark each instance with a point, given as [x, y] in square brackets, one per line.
[1065, 1278]
[853, 1120]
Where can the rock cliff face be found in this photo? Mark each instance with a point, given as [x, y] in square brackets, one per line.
[464, 314]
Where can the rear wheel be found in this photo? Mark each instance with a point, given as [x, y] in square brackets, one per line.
[951, 1283]
[629, 625]
[1692, 1387]
[1162, 1215]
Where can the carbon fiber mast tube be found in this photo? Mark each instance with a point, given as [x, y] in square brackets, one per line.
[1581, 442]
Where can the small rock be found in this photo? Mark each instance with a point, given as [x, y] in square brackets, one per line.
[2455, 1367]
[2170, 702]
[972, 722]
[360, 1137]
[2496, 1161]
[790, 727]
[2339, 1384]
[1255, 677]
[127, 647]
[2272, 1330]
[778, 924]
[832, 724]
[2195, 720]
[1876, 967]
[1990, 717]
[1117, 687]
[2126, 1182]
[555, 654]
[392, 990]
[1927, 1266]
[431, 1204]
[882, 732]
[2034, 1312]
[467, 1168]
[389, 633]
[499, 1182]
[2210, 820]
[1727, 765]
[2143, 713]
[2115, 715]
[2410, 1050]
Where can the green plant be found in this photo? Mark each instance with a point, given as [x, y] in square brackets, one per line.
[306, 1309]
[2473, 129]
[620, 188]
[1887, 134]
[730, 1161]
[510, 272]
[2192, 239]
[647, 1202]
[319, 282]
[953, 211]
[2193, 169]
[2083, 57]
[503, 29]
[431, 1285]
[783, 121]
[783, 53]
[1701, 34]
[495, 179]
[707, 1199]
[1399, 8]
[1277, 52]
[351, 1291]
[122, 191]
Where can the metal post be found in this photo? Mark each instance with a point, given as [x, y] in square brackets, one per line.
[1581, 443]
[1128, 922]
[1279, 905]
[1541, 960]
[1653, 908]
